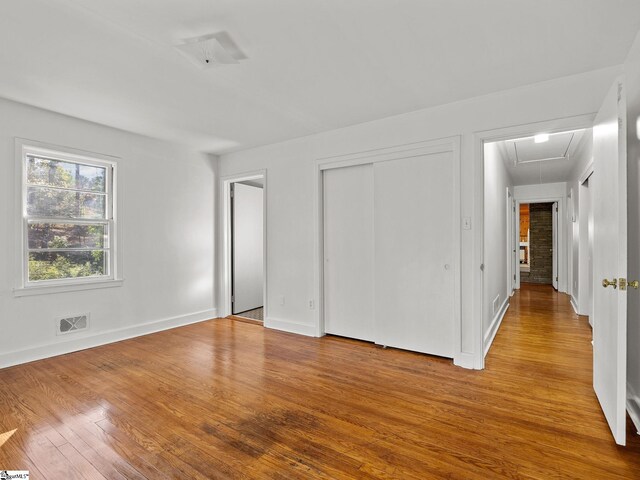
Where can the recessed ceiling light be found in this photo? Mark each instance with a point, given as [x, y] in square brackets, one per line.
[541, 138]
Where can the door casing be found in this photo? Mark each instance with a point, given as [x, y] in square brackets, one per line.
[225, 253]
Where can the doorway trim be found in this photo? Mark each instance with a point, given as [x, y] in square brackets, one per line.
[226, 250]
[479, 139]
[447, 144]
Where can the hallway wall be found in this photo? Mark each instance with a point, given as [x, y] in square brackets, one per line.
[496, 275]
[578, 230]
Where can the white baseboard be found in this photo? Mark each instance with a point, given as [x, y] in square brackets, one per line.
[574, 304]
[291, 327]
[90, 340]
[633, 406]
[495, 325]
[465, 360]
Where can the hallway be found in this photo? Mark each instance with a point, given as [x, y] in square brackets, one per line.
[544, 348]
[226, 399]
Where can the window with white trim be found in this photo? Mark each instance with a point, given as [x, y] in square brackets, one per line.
[68, 218]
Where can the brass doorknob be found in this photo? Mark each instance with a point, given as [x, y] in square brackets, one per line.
[634, 284]
[613, 283]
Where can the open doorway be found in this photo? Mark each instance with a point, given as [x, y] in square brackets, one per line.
[247, 249]
[538, 242]
[243, 285]
[529, 245]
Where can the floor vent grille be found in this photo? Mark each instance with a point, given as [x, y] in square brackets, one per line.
[72, 324]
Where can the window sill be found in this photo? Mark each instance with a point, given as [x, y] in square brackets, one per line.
[50, 289]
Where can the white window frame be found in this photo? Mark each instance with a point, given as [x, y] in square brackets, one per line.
[24, 287]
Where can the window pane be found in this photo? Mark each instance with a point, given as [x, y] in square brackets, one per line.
[62, 235]
[56, 173]
[51, 202]
[59, 265]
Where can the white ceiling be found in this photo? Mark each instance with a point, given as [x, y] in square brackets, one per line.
[530, 163]
[313, 65]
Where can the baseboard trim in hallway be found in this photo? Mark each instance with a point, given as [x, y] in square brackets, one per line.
[633, 406]
[495, 326]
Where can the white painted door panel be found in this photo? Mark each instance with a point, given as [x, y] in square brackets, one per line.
[414, 271]
[248, 248]
[348, 251]
[610, 259]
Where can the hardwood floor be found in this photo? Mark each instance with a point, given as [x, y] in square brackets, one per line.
[227, 399]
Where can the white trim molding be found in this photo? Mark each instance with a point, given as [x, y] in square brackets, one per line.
[574, 304]
[291, 327]
[225, 214]
[495, 326]
[83, 341]
[23, 286]
[633, 406]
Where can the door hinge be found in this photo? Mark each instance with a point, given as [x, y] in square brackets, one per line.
[233, 298]
[514, 276]
[556, 279]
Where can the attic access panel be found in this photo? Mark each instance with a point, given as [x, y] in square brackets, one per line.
[558, 147]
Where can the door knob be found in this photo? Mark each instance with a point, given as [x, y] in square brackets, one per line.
[623, 284]
[613, 283]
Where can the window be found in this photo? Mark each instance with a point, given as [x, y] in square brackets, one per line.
[68, 218]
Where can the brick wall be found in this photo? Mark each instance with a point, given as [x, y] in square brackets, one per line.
[541, 243]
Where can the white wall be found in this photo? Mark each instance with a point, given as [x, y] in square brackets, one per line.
[632, 71]
[167, 239]
[291, 203]
[546, 192]
[496, 250]
[578, 231]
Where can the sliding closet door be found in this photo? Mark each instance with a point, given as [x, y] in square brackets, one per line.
[414, 257]
[348, 251]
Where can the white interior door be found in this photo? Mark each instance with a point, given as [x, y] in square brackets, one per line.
[248, 248]
[414, 253]
[348, 251]
[610, 259]
[554, 253]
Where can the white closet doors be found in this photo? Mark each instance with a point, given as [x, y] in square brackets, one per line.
[389, 254]
[348, 252]
[414, 257]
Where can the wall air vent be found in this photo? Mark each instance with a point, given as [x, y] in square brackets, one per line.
[211, 50]
[72, 324]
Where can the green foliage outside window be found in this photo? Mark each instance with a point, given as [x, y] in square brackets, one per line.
[62, 192]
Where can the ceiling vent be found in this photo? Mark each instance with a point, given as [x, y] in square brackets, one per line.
[211, 50]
